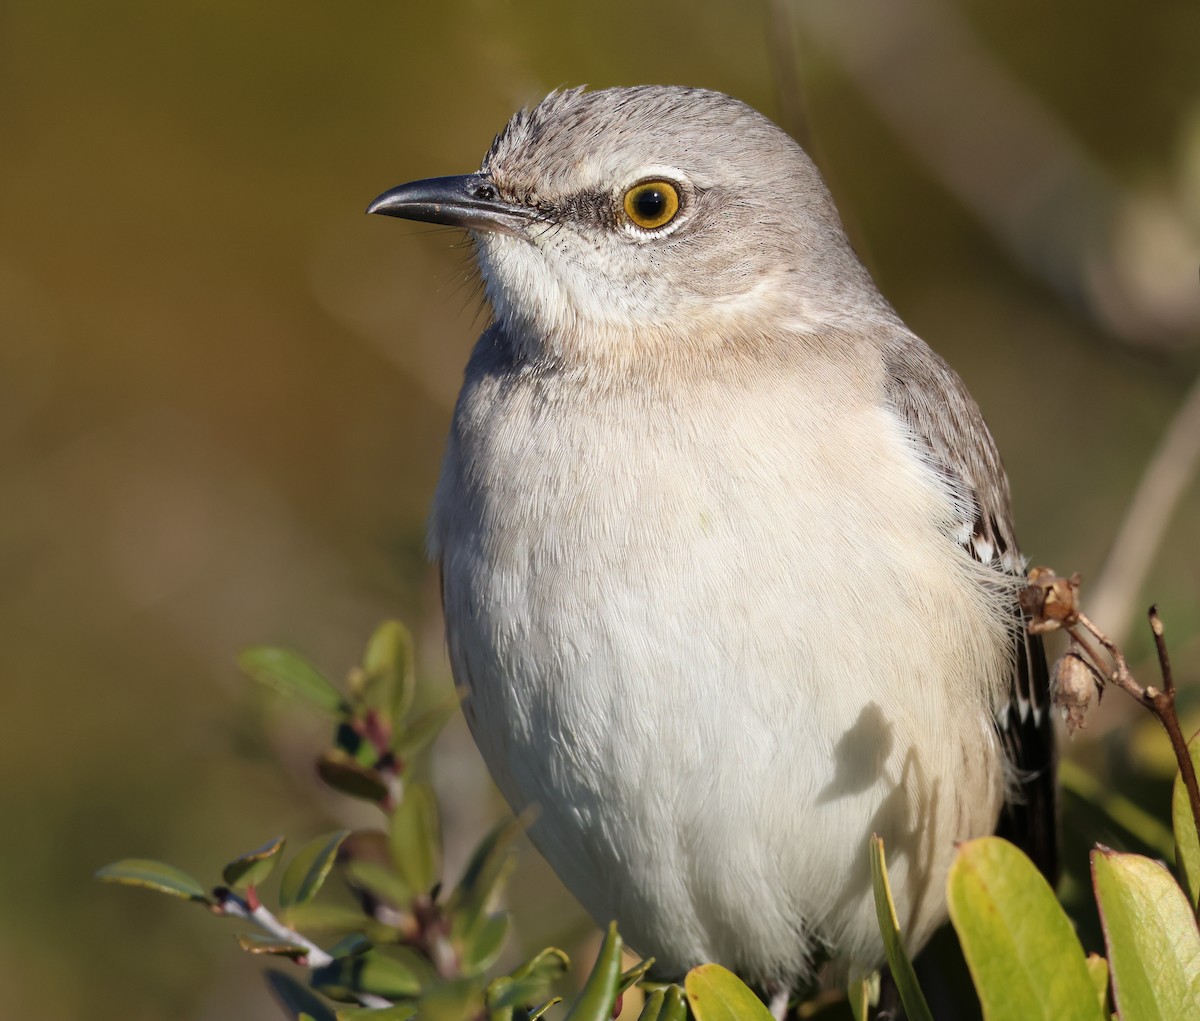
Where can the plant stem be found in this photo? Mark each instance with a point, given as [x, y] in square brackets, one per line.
[229, 903]
[1160, 701]
[1169, 718]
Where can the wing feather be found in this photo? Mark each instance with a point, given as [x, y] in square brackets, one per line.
[928, 395]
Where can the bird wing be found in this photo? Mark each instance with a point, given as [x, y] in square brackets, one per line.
[943, 418]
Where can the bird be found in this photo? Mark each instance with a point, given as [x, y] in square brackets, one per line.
[726, 551]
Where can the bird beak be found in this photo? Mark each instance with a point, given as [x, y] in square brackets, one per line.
[471, 201]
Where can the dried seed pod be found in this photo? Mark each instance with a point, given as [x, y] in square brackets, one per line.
[1049, 601]
[1073, 684]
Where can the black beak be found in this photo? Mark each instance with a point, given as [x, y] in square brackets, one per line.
[469, 201]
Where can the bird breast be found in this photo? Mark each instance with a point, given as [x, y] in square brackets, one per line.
[718, 635]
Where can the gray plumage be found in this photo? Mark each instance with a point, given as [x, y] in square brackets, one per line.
[728, 564]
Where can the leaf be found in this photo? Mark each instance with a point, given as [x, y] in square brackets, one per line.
[665, 1004]
[327, 919]
[485, 944]
[368, 972]
[599, 994]
[631, 976]
[1020, 946]
[351, 945]
[389, 666]
[297, 999]
[421, 731]
[154, 875]
[1097, 968]
[258, 943]
[400, 1012]
[717, 994]
[344, 773]
[309, 869]
[1187, 842]
[483, 875]
[893, 942]
[415, 839]
[529, 983]
[859, 997]
[380, 882]
[253, 867]
[460, 1000]
[1151, 935]
[292, 674]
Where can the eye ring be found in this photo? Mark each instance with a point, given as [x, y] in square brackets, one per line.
[652, 204]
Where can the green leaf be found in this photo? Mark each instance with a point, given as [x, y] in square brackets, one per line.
[543, 969]
[370, 972]
[389, 667]
[400, 1012]
[253, 867]
[345, 773]
[484, 873]
[599, 994]
[154, 875]
[1187, 842]
[309, 869]
[859, 996]
[292, 674]
[350, 945]
[485, 944]
[893, 942]
[537, 1012]
[1150, 931]
[529, 983]
[717, 994]
[258, 943]
[421, 731]
[380, 882]
[313, 917]
[664, 1004]
[1097, 968]
[1020, 946]
[632, 976]
[461, 1000]
[297, 999]
[415, 838]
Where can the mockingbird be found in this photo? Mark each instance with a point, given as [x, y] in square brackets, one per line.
[727, 558]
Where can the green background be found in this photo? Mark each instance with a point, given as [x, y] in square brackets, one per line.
[223, 390]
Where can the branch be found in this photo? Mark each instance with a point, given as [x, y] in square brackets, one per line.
[1052, 602]
[252, 910]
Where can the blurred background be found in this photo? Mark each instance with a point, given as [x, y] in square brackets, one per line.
[225, 390]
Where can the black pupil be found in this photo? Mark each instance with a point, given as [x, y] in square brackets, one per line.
[650, 203]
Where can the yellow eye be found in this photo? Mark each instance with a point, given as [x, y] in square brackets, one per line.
[652, 204]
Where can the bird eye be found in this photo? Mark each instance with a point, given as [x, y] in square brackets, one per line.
[652, 204]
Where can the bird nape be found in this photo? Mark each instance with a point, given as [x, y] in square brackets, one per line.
[727, 556]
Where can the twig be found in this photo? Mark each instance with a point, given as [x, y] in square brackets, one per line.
[252, 910]
[1052, 602]
[1160, 701]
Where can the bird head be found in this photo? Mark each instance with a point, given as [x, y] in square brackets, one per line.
[651, 219]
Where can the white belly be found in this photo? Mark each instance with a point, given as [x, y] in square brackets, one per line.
[696, 654]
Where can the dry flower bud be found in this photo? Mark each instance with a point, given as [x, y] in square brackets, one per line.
[1074, 686]
[1050, 602]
